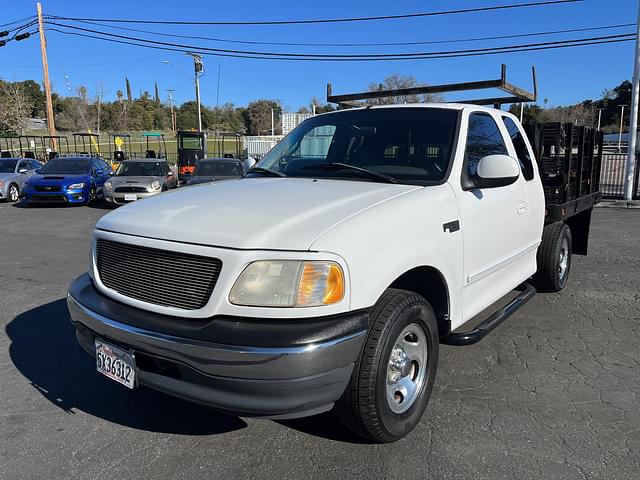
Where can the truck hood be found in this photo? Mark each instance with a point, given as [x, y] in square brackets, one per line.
[251, 213]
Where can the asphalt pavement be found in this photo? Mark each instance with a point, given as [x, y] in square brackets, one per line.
[552, 393]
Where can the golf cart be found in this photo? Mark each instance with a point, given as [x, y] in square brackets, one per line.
[82, 143]
[119, 148]
[220, 144]
[191, 149]
[161, 149]
[29, 146]
[53, 146]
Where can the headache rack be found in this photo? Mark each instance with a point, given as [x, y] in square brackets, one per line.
[515, 94]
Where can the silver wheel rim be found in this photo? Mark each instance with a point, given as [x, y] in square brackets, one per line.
[13, 193]
[406, 369]
[563, 264]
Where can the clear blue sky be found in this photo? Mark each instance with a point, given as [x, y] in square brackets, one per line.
[564, 75]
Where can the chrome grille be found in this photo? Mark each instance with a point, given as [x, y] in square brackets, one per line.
[161, 277]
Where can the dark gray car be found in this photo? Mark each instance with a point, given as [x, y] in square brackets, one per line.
[216, 169]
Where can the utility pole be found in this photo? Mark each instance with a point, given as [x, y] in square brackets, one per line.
[599, 117]
[272, 125]
[47, 84]
[633, 123]
[199, 71]
[621, 125]
[173, 121]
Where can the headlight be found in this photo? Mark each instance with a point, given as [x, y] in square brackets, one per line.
[108, 186]
[75, 186]
[155, 185]
[289, 283]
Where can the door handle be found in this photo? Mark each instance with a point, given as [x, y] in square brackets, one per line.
[522, 207]
[451, 226]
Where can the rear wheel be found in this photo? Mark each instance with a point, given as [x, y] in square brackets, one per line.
[13, 194]
[554, 258]
[392, 381]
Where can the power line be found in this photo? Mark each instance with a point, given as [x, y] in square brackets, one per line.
[315, 21]
[388, 44]
[511, 49]
[18, 21]
[328, 56]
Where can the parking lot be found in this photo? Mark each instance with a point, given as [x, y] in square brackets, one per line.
[553, 393]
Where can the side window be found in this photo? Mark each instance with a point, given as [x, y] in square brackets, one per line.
[520, 146]
[23, 165]
[35, 165]
[483, 138]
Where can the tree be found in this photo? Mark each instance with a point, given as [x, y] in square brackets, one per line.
[532, 113]
[129, 98]
[257, 117]
[395, 82]
[16, 107]
[156, 94]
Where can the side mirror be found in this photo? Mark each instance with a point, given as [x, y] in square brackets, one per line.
[23, 170]
[496, 171]
[111, 173]
[170, 174]
[99, 171]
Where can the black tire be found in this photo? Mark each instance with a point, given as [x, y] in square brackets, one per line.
[13, 193]
[554, 258]
[364, 408]
[92, 195]
[164, 188]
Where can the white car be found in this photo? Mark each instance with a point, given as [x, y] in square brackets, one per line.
[329, 275]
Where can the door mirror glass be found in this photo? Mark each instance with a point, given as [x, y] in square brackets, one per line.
[496, 171]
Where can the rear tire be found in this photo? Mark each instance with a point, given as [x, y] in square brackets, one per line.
[554, 258]
[392, 380]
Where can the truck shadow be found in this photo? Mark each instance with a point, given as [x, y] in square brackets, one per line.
[44, 349]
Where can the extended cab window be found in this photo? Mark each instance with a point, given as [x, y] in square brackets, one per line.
[407, 144]
[483, 138]
[520, 146]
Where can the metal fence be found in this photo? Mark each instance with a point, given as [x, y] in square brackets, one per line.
[614, 167]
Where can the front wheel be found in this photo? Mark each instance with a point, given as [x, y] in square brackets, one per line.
[13, 194]
[392, 381]
[91, 199]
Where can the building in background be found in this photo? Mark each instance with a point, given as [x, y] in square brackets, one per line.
[291, 120]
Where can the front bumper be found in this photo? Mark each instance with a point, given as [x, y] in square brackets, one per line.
[246, 366]
[60, 197]
[119, 198]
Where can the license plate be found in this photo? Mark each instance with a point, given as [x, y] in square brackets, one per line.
[115, 363]
[130, 197]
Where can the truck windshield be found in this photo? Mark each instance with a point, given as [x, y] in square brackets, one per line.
[139, 169]
[406, 145]
[68, 166]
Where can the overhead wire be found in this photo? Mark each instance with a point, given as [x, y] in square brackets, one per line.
[428, 55]
[326, 20]
[375, 44]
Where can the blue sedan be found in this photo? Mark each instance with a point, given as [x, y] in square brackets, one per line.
[68, 180]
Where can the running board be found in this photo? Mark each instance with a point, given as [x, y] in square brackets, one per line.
[486, 327]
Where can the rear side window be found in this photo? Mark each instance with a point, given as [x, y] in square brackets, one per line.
[520, 146]
[483, 138]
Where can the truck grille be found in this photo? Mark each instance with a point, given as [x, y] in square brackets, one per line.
[160, 277]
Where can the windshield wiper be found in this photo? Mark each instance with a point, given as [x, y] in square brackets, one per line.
[364, 171]
[266, 172]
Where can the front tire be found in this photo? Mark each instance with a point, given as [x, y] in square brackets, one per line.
[91, 199]
[13, 194]
[554, 258]
[392, 381]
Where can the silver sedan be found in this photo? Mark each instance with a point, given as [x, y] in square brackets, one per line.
[13, 173]
[139, 178]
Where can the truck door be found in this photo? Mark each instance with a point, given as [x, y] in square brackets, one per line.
[499, 253]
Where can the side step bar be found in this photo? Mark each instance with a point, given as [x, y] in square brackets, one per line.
[486, 327]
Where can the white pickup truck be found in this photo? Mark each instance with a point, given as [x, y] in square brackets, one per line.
[328, 275]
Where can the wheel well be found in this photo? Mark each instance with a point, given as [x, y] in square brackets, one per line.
[428, 282]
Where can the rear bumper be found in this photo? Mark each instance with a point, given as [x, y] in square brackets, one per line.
[300, 375]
